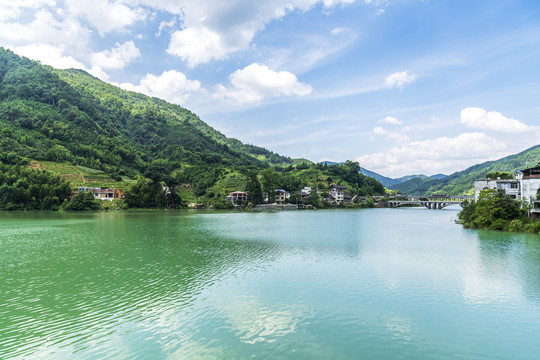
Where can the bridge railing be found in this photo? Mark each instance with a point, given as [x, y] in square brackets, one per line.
[431, 198]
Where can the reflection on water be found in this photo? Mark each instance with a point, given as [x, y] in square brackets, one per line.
[517, 254]
[377, 284]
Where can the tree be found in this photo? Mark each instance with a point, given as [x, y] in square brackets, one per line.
[498, 175]
[253, 188]
[83, 201]
[492, 210]
[269, 182]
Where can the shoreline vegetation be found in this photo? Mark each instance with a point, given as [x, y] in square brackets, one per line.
[65, 130]
[23, 186]
[495, 210]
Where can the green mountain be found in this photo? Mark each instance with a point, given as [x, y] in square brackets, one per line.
[68, 115]
[462, 182]
[94, 134]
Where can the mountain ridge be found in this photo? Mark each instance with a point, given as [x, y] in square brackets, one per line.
[462, 182]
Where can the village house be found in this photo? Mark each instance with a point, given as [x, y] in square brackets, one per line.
[529, 181]
[510, 186]
[281, 196]
[102, 193]
[338, 193]
[304, 194]
[535, 211]
[237, 197]
[524, 187]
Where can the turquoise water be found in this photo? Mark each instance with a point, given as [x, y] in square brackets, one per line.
[336, 284]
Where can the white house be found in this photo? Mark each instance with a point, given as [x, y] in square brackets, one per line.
[523, 187]
[237, 197]
[510, 186]
[101, 193]
[281, 196]
[529, 180]
[338, 193]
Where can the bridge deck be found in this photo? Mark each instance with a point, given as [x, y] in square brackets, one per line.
[430, 204]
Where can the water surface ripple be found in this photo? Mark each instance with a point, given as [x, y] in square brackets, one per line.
[333, 284]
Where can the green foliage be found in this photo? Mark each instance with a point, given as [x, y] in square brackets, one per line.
[494, 210]
[26, 189]
[269, 182]
[253, 188]
[69, 117]
[145, 194]
[499, 175]
[82, 201]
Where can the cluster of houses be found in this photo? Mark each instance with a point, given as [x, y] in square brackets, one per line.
[336, 195]
[523, 187]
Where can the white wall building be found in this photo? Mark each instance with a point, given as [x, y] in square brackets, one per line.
[529, 180]
[338, 192]
[523, 187]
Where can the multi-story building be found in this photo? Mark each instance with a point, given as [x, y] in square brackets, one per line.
[524, 187]
[510, 186]
[529, 180]
[338, 193]
[237, 197]
[281, 196]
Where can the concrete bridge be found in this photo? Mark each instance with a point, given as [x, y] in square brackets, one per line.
[430, 202]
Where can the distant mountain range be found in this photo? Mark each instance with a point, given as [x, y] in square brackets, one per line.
[462, 182]
[387, 181]
[458, 183]
[391, 183]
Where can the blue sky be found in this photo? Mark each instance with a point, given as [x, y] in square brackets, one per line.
[402, 86]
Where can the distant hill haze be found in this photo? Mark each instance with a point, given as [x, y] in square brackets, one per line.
[462, 182]
[392, 183]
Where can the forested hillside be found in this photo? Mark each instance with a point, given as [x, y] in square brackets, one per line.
[92, 133]
[462, 182]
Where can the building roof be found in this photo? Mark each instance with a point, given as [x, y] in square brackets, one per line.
[531, 172]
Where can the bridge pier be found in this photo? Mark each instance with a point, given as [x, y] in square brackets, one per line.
[429, 204]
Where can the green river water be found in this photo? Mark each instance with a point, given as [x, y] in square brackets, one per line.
[327, 284]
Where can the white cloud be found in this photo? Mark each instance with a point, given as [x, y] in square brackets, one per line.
[391, 120]
[478, 118]
[44, 28]
[212, 29]
[49, 55]
[399, 79]
[106, 15]
[256, 82]
[398, 137]
[13, 9]
[440, 155]
[171, 85]
[378, 130]
[200, 45]
[164, 25]
[337, 31]
[99, 73]
[116, 58]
